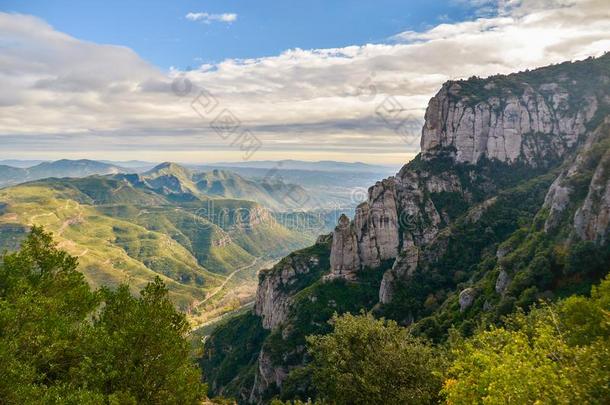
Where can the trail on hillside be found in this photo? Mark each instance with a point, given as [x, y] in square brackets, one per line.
[222, 287]
[224, 283]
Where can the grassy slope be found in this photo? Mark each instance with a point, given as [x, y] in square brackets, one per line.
[125, 233]
[110, 250]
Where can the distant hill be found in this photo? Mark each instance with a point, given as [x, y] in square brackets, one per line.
[10, 175]
[20, 163]
[333, 189]
[180, 182]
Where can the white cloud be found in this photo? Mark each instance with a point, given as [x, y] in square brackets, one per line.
[63, 94]
[209, 18]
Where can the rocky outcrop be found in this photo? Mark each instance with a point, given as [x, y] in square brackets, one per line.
[267, 375]
[591, 216]
[397, 215]
[502, 281]
[404, 266]
[275, 294]
[373, 235]
[466, 298]
[222, 240]
[592, 219]
[344, 257]
[520, 122]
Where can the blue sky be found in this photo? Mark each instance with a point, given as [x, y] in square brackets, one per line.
[160, 33]
[308, 80]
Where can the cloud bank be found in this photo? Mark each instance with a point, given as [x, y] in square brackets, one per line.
[75, 98]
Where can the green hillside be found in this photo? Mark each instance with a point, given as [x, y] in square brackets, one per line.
[125, 231]
[179, 182]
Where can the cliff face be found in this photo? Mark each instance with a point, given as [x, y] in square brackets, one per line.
[527, 123]
[276, 287]
[528, 120]
[590, 171]
[275, 296]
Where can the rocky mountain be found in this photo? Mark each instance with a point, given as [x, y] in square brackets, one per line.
[60, 169]
[507, 203]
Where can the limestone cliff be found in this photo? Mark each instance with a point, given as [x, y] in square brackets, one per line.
[526, 122]
[278, 285]
[529, 120]
[276, 292]
[590, 171]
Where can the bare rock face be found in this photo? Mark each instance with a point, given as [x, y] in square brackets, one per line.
[344, 258]
[266, 375]
[376, 225]
[506, 126]
[273, 296]
[592, 219]
[466, 299]
[502, 281]
[373, 235]
[404, 266]
[398, 214]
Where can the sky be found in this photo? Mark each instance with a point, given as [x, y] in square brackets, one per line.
[204, 81]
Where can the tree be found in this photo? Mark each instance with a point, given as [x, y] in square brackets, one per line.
[365, 361]
[60, 342]
[44, 301]
[140, 349]
[555, 354]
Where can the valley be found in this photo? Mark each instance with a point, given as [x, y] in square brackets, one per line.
[206, 234]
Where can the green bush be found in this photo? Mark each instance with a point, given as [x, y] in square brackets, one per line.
[369, 361]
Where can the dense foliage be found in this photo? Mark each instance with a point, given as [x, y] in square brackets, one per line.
[366, 361]
[229, 360]
[555, 354]
[60, 342]
[470, 252]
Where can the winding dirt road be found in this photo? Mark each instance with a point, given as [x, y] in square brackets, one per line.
[224, 283]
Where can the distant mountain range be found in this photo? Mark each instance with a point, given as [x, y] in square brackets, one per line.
[288, 164]
[287, 184]
[10, 175]
[323, 165]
